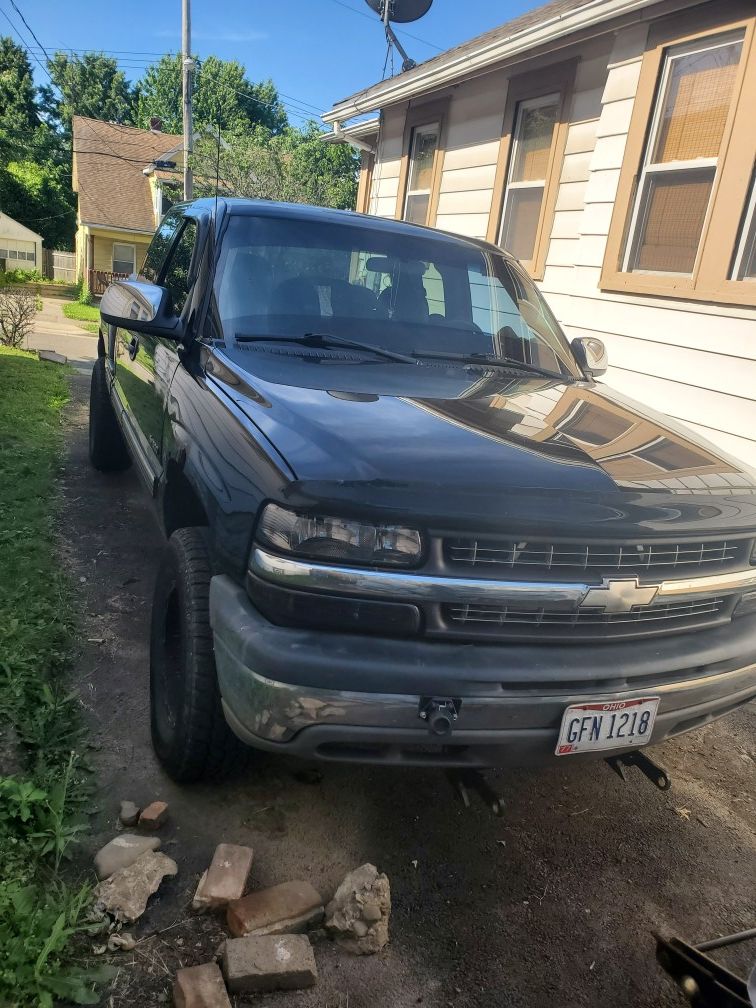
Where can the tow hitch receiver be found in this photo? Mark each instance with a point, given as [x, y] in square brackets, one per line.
[439, 713]
[464, 781]
[653, 771]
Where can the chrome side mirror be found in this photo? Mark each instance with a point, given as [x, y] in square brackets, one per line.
[591, 355]
[140, 307]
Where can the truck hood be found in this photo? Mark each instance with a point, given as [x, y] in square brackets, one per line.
[476, 446]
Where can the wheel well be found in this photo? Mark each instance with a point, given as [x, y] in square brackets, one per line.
[182, 507]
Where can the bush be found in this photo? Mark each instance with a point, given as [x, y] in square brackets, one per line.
[17, 310]
[19, 276]
[83, 293]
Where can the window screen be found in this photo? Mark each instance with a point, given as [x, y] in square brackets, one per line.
[419, 184]
[695, 93]
[533, 136]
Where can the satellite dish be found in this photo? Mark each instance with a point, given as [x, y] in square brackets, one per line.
[400, 11]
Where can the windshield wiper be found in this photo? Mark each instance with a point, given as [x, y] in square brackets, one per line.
[479, 358]
[326, 340]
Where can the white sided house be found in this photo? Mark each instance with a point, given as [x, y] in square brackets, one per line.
[610, 146]
[20, 247]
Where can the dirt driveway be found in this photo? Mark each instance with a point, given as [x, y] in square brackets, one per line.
[551, 905]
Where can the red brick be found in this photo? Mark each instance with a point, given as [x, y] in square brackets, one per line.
[282, 909]
[154, 815]
[200, 987]
[226, 878]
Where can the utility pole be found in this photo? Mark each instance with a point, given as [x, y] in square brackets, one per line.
[187, 75]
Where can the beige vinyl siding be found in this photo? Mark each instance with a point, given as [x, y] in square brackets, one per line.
[103, 251]
[385, 183]
[693, 362]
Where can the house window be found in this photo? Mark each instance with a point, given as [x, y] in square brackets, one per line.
[423, 149]
[683, 220]
[681, 157]
[526, 180]
[124, 258]
[530, 162]
[745, 257]
[420, 172]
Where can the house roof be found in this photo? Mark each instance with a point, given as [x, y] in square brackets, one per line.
[544, 24]
[108, 172]
[10, 228]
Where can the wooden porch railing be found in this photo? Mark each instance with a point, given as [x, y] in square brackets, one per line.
[98, 280]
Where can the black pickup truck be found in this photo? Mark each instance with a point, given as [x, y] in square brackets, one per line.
[405, 524]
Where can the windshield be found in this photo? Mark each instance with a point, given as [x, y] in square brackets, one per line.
[284, 278]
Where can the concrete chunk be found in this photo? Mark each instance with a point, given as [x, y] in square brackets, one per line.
[282, 909]
[226, 878]
[125, 894]
[121, 852]
[200, 987]
[269, 963]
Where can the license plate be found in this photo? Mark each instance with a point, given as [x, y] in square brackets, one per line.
[593, 727]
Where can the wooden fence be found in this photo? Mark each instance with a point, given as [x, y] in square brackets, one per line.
[59, 265]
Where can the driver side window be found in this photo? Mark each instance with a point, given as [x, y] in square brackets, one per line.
[177, 270]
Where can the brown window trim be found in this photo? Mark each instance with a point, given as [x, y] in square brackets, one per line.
[365, 183]
[421, 115]
[710, 279]
[560, 78]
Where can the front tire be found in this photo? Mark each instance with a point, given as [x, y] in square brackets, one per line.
[107, 449]
[189, 732]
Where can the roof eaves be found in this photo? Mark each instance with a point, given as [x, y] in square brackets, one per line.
[440, 71]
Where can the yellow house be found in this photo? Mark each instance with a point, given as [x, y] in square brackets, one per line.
[126, 179]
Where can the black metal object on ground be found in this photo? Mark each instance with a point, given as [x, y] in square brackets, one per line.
[704, 982]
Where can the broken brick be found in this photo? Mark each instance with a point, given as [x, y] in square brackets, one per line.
[267, 963]
[226, 878]
[154, 815]
[200, 987]
[282, 909]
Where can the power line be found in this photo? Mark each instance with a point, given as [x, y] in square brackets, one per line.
[16, 32]
[30, 29]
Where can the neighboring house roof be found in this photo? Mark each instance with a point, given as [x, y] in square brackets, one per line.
[109, 162]
[543, 25]
[10, 228]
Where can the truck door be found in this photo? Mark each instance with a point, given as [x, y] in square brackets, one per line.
[144, 365]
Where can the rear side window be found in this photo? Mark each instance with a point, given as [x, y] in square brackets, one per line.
[159, 246]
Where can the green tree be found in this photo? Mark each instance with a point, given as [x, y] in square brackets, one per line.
[296, 166]
[89, 85]
[40, 196]
[18, 110]
[222, 93]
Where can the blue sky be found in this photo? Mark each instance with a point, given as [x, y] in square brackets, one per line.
[316, 51]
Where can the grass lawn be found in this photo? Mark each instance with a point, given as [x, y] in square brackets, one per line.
[43, 783]
[87, 315]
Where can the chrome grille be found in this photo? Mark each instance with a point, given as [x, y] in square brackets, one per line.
[510, 620]
[608, 558]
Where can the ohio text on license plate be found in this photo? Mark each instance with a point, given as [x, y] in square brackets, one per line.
[618, 724]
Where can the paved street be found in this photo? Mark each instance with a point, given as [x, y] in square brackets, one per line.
[53, 331]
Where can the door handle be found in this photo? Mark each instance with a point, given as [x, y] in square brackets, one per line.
[133, 347]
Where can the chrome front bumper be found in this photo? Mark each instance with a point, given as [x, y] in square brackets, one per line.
[294, 690]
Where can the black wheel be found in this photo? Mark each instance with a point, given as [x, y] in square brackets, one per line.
[189, 733]
[107, 449]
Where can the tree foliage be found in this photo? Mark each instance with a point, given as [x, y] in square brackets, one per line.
[296, 166]
[40, 197]
[89, 85]
[18, 109]
[222, 95]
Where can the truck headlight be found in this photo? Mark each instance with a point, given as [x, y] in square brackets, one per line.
[332, 538]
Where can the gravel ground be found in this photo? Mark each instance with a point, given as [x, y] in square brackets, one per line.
[553, 904]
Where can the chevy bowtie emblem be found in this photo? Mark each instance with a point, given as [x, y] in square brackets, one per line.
[619, 596]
